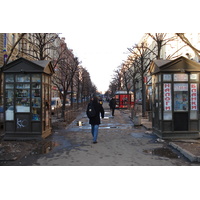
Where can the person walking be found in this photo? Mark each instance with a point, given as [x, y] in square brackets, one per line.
[112, 105]
[95, 119]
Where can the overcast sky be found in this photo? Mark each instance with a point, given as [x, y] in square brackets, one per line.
[100, 37]
[101, 54]
[99, 31]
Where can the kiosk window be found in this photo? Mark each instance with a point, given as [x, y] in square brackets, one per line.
[9, 100]
[180, 97]
[36, 78]
[23, 98]
[167, 77]
[180, 77]
[194, 77]
[9, 78]
[23, 78]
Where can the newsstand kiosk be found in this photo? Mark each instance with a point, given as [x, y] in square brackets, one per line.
[27, 99]
[175, 96]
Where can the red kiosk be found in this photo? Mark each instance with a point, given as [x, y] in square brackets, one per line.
[124, 99]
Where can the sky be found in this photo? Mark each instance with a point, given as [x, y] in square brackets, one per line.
[101, 37]
[101, 54]
[98, 31]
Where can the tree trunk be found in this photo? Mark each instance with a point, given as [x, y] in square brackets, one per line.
[143, 98]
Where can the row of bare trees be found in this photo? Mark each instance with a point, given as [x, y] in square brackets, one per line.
[135, 69]
[69, 77]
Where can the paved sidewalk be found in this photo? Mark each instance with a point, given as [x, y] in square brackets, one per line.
[190, 148]
[120, 143]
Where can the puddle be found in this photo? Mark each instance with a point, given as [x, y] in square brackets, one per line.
[45, 147]
[137, 135]
[85, 127]
[163, 152]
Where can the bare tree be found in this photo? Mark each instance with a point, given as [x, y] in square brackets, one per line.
[126, 77]
[188, 43]
[113, 86]
[63, 78]
[85, 83]
[132, 70]
[39, 45]
[161, 40]
[116, 83]
[142, 61]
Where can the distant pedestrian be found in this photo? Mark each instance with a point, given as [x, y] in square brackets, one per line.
[95, 120]
[112, 105]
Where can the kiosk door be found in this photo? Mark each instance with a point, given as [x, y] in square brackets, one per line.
[181, 121]
[181, 107]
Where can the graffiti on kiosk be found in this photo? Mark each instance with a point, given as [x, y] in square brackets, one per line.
[22, 123]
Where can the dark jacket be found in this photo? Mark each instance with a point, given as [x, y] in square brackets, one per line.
[112, 104]
[98, 109]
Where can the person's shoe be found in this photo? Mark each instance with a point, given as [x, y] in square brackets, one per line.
[94, 142]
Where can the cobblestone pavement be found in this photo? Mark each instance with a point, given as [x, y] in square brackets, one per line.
[120, 143]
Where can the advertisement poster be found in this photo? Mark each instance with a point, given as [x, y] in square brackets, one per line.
[180, 96]
[167, 97]
[193, 96]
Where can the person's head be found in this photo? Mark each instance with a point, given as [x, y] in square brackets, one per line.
[95, 99]
[91, 99]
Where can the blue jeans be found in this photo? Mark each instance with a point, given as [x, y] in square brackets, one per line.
[95, 129]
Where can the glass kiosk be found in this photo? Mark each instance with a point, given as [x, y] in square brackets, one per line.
[27, 97]
[175, 97]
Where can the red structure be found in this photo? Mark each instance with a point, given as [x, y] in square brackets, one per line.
[124, 100]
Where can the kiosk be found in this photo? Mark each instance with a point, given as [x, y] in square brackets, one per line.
[175, 98]
[27, 99]
[124, 99]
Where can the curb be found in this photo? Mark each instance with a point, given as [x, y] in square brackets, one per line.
[146, 127]
[186, 153]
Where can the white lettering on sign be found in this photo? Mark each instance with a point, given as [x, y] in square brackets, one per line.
[167, 96]
[193, 96]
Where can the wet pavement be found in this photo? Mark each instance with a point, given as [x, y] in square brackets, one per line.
[120, 143]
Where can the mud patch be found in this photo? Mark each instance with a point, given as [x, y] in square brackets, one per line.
[13, 150]
[163, 152]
